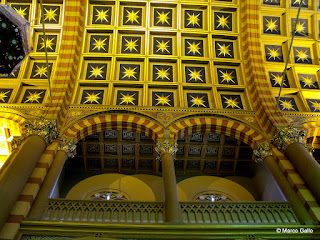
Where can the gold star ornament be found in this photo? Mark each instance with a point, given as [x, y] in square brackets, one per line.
[277, 79]
[231, 102]
[193, 19]
[163, 100]
[271, 25]
[131, 45]
[3, 95]
[163, 46]
[92, 98]
[51, 15]
[127, 99]
[286, 105]
[273, 54]
[308, 82]
[315, 105]
[33, 97]
[162, 73]
[99, 44]
[226, 77]
[224, 50]
[195, 75]
[129, 72]
[223, 21]
[49, 43]
[41, 71]
[193, 48]
[21, 11]
[301, 55]
[96, 72]
[101, 15]
[197, 101]
[132, 17]
[163, 18]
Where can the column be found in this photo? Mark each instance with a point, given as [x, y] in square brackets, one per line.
[17, 173]
[306, 166]
[8, 161]
[297, 205]
[42, 199]
[167, 151]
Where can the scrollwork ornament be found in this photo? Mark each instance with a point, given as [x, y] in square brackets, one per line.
[164, 147]
[261, 152]
[69, 146]
[43, 128]
[286, 136]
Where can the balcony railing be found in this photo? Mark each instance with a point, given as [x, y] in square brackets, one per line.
[61, 210]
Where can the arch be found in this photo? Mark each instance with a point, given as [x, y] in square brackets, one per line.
[114, 121]
[225, 126]
[189, 188]
[134, 188]
[312, 129]
[12, 121]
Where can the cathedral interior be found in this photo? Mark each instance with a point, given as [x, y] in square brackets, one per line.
[163, 119]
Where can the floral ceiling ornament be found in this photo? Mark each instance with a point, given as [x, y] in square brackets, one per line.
[287, 135]
[261, 152]
[166, 146]
[43, 128]
[69, 146]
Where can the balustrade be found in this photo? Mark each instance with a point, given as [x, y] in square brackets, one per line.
[61, 210]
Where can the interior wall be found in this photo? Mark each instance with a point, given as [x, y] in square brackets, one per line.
[188, 188]
[134, 188]
[265, 184]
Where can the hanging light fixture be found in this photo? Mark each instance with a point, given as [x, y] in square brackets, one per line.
[15, 44]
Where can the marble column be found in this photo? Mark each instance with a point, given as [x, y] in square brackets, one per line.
[167, 151]
[42, 199]
[17, 173]
[306, 165]
[297, 205]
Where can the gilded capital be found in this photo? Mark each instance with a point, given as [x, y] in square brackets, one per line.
[43, 128]
[166, 146]
[69, 146]
[261, 152]
[287, 135]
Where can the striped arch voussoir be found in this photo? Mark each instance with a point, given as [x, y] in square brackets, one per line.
[94, 124]
[312, 129]
[218, 125]
[11, 120]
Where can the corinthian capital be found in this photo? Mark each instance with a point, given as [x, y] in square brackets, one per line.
[43, 128]
[261, 152]
[166, 146]
[287, 135]
[68, 145]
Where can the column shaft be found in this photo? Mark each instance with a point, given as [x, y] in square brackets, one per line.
[172, 205]
[8, 161]
[297, 205]
[306, 165]
[50, 181]
[14, 178]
